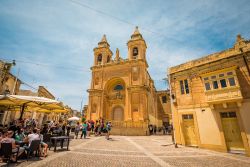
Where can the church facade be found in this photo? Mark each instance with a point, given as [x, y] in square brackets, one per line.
[122, 90]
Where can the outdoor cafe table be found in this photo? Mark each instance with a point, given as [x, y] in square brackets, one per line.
[54, 140]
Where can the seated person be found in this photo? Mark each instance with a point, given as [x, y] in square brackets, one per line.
[30, 138]
[43, 144]
[45, 129]
[3, 135]
[33, 136]
[9, 139]
[20, 136]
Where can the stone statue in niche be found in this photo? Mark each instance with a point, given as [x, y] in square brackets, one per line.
[117, 55]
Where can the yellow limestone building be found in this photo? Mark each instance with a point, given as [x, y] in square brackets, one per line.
[122, 90]
[211, 100]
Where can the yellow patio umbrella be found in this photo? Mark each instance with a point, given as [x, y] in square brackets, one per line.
[29, 102]
[46, 110]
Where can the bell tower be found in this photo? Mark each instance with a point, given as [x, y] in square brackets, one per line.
[102, 52]
[136, 46]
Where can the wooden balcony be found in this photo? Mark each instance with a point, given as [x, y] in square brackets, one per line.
[230, 94]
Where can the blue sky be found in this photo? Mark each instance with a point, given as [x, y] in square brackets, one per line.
[53, 40]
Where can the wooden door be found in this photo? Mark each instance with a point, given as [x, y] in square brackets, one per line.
[118, 114]
[232, 131]
[189, 130]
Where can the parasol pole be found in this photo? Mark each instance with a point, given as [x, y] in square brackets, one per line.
[22, 111]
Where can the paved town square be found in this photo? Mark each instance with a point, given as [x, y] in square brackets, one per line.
[147, 151]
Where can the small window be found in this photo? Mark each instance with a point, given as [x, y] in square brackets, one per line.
[99, 58]
[135, 52]
[182, 87]
[213, 77]
[164, 99]
[118, 87]
[207, 86]
[223, 115]
[187, 116]
[221, 75]
[223, 83]
[231, 81]
[215, 84]
[186, 86]
[205, 79]
[228, 115]
[230, 73]
[232, 114]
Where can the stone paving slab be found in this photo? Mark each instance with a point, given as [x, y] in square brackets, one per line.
[116, 143]
[111, 152]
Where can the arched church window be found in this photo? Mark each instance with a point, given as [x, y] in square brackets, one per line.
[135, 52]
[118, 87]
[99, 58]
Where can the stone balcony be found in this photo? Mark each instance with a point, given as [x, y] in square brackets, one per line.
[223, 96]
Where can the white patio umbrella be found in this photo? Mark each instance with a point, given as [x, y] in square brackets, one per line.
[74, 119]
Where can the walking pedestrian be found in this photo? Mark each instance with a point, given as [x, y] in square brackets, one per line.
[63, 129]
[84, 130]
[88, 128]
[68, 129]
[77, 129]
[155, 128]
[97, 125]
[108, 129]
[92, 126]
[150, 129]
[102, 127]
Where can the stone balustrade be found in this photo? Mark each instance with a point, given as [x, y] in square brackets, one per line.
[129, 124]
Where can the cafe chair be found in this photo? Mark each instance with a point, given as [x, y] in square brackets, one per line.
[34, 147]
[7, 152]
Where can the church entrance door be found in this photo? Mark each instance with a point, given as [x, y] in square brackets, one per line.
[118, 114]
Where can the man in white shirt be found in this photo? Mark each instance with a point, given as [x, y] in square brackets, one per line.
[33, 136]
